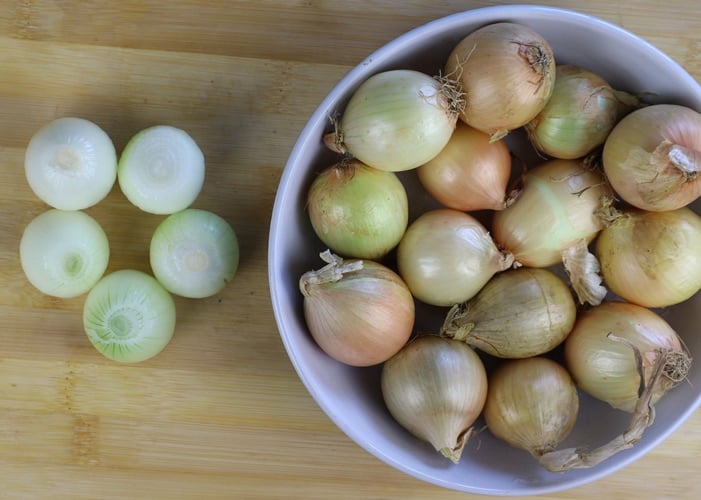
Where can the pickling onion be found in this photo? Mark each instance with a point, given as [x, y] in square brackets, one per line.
[470, 173]
[446, 256]
[436, 388]
[579, 115]
[359, 312]
[358, 211]
[507, 72]
[519, 313]
[652, 157]
[557, 207]
[532, 404]
[613, 343]
[397, 120]
[652, 258]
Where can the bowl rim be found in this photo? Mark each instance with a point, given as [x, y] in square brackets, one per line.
[353, 78]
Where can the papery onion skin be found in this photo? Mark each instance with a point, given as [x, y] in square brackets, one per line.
[652, 258]
[519, 313]
[361, 318]
[446, 256]
[470, 173]
[557, 206]
[652, 157]
[436, 388]
[606, 368]
[507, 73]
[579, 115]
[532, 404]
[397, 120]
[358, 211]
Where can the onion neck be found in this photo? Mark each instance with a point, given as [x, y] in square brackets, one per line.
[686, 160]
[332, 272]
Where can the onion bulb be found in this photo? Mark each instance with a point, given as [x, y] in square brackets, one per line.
[532, 404]
[470, 173]
[70, 163]
[358, 311]
[397, 120]
[579, 115]
[446, 256]
[358, 211]
[612, 344]
[519, 313]
[436, 388]
[652, 157]
[507, 72]
[652, 258]
[557, 207]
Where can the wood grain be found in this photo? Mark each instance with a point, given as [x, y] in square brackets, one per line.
[220, 413]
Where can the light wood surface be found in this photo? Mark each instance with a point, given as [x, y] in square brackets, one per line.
[220, 413]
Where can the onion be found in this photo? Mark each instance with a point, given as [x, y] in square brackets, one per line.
[70, 163]
[194, 253]
[63, 253]
[602, 353]
[532, 404]
[397, 120]
[446, 256]
[436, 388]
[161, 170]
[128, 316]
[507, 72]
[470, 173]
[652, 258]
[652, 157]
[519, 313]
[359, 312]
[579, 115]
[358, 211]
[557, 207]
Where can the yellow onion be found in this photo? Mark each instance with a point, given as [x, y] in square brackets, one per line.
[532, 404]
[358, 211]
[612, 344]
[506, 72]
[652, 157]
[519, 313]
[397, 120]
[436, 388]
[470, 173]
[579, 115]
[359, 312]
[446, 256]
[557, 207]
[652, 258]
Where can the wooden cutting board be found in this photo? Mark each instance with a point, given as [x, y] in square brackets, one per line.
[220, 413]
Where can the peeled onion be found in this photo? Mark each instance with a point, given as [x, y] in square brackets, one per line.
[507, 72]
[652, 157]
[359, 312]
[436, 388]
[446, 256]
[652, 258]
[470, 173]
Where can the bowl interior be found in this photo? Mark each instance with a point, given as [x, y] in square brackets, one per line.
[351, 396]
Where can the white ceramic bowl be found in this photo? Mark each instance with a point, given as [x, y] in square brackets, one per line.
[351, 396]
